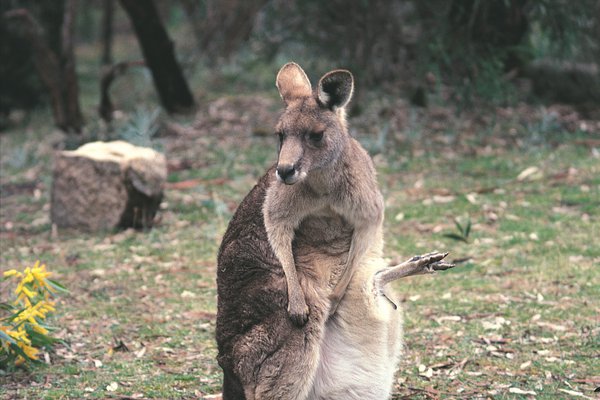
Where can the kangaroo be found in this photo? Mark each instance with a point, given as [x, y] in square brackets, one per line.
[320, 167]
[322, 191]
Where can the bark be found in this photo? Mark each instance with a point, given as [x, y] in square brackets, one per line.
[56, 70]
[159, 54]
[107, 185]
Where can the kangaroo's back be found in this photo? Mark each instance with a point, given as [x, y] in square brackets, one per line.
[252, 320]
[244, 257]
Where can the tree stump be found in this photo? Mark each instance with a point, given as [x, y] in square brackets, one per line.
[107, 185]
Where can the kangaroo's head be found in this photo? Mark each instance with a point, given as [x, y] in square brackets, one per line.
[312, 130]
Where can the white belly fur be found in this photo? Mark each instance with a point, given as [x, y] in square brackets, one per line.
[362, 344]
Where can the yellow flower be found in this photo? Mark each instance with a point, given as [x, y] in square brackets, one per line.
[23, 283]
[28, 314]
[47, 306]
[30, 351]
[40, 329]
[28, 292]
[28, 276]
[12, 272]
[19, 335]
[33, 292]
[40, 274]
[22, 299]
[40, 310]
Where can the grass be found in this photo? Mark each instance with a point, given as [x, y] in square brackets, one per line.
[521, 313]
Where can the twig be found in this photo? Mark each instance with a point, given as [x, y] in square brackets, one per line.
[429, 392]
[106, 107]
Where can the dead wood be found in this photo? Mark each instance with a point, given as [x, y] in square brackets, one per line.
[107, 185]
[106, 107]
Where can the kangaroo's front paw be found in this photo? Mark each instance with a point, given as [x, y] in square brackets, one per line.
[298, 311]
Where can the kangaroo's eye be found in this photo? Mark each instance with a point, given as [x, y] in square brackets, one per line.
[315, 137]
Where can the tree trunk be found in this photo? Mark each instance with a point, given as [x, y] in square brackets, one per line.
[159, 54]
[55, 63]
[107, 31]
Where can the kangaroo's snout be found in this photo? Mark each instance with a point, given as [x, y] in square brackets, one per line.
[286, 173]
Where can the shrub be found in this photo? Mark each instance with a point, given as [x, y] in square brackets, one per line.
[23, 328]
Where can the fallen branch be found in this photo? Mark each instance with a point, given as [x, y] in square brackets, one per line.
[106, 107]
[430, 393]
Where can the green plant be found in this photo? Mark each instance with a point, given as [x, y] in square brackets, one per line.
[23, 330]
[141, 127]
[463, 231]
[490, 84]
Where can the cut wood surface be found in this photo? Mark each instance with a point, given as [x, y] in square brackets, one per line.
[105, 185]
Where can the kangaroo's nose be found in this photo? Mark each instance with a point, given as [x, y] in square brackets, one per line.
[285, 171]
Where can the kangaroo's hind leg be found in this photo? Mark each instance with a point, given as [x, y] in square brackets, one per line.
[275, 359]
[232, 387]
[418, 265]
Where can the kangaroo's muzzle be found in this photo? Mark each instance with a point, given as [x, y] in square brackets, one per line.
[287, 173]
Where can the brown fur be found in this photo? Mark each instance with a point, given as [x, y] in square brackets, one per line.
[330, 173]
[263, 353]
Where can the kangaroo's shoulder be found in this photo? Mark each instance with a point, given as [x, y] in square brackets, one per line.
[246, 227]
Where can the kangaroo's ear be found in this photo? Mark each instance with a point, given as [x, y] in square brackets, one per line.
[292, 83]
[335, 89]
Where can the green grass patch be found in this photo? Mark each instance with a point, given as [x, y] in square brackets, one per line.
[521, 311]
